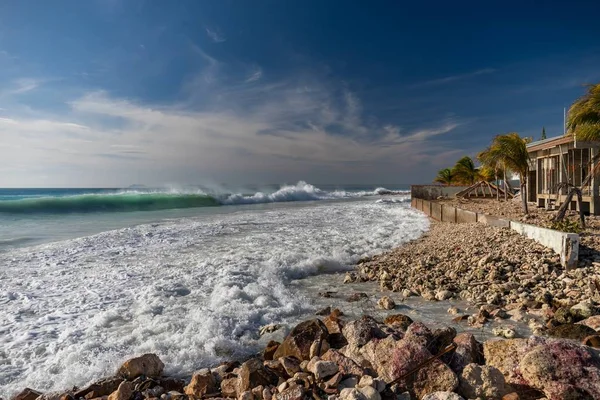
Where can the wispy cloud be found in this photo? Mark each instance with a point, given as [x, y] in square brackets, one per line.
[255, 75]
[215, 35]
[454, 78]
[301, 123]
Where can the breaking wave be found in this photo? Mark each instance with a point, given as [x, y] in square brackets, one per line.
[163, 200]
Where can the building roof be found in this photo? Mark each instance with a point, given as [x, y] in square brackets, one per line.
[549, 143]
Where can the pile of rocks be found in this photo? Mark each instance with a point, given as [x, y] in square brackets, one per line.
[501, 272]
[364, 359]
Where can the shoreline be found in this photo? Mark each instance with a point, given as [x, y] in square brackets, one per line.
[412, 270]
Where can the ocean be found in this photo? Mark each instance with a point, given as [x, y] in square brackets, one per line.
[89, 277]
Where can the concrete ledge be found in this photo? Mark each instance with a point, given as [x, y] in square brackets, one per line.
[566, 245]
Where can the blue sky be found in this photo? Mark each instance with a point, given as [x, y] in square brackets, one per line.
[115, 92]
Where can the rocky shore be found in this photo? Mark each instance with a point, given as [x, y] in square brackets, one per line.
[338, 359]
[503, 274]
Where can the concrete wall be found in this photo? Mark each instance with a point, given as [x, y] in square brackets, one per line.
[564, 244]
[432, 192]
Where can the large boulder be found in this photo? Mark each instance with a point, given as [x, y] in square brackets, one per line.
[203, 382]
[346, 365]
[27, 394]
[100, 388]
[123, 392]
[400, 321]
[468, 350]
[483, 381]
[148, 365]
[563, 370]
[505, 355]
[300, 339]
[434, 377]
[571, 331]
[417, 331]
[377, 353]
[253, 373]
[361, 331]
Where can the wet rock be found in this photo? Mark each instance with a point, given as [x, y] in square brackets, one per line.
[100, 388]
[400, 321]
[360, 331]
[268, 329]
[202, 382]
[453, 311]
[571, 331]
[170, 383]
[324, 311]
[357, 297]
[148, 365]
[443, 295]
[123, 392]
[442, 396]
[27, 394]
[270, 350]
[386, 303]
[298, 341]
[252, 374]
[485, 382]
[334, 325]
[563, 370]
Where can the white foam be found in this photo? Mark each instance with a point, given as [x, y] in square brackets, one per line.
[194, 291]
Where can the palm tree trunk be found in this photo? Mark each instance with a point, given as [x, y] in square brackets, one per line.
[504, 185]
[580, 204]
[497, 185]
[524, 194]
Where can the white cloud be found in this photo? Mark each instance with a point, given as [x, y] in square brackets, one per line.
[453, 78]
[215, 35]
[298, 128]
[255, 75]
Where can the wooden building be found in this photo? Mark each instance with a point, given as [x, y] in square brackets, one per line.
[561, 159]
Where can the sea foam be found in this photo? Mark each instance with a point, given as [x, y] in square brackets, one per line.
[194, 291]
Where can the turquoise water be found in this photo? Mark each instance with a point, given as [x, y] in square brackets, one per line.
[35, 216]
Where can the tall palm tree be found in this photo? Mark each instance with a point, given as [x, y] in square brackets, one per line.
[583, 122]
[464, 171]
[584, 115]
[444, 176]
[510, 150]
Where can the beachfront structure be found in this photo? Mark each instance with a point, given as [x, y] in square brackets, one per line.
[561, 159]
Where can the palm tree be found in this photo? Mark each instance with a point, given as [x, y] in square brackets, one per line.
[444, 176]
[510, 151]
[492, 158]
[464, 171]
[584, 115]
[583, 122]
